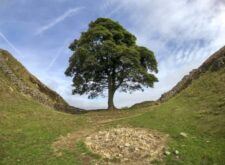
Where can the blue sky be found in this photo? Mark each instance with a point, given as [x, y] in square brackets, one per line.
[182, 34]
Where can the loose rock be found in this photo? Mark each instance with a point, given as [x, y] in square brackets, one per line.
[176, 152]
[167, 152]
[127, 144]
[183, 134]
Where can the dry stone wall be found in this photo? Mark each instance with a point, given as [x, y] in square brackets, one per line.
[21, 85]
[213, 63]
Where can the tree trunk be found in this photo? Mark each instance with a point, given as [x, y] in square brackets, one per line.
[111, 91]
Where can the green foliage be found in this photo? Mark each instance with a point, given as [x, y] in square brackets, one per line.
[107, 57]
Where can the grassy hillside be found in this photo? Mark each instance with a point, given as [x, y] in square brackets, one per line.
[213, 63]
[22, 77]
[198, 111]
[31, 133]
[28, 129]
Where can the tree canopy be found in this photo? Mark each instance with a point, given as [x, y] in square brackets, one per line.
[106, 57]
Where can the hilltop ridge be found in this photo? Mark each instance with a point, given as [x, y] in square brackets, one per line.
[31, 86]
[22, 80]
[213, 63]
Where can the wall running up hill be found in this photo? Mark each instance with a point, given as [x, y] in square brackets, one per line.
[21, 85]
[213, 63]
[29, 85]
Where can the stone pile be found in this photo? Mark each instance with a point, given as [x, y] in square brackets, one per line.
[127, 144]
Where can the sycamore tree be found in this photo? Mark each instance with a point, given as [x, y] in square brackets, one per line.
[106, 57]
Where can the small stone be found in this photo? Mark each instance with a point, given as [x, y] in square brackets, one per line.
[59, 154]
[11, 89]
[120, 155]
[88, 143]
[127, 144]
[88, 138]
[107, 155]
[167, 135]
[136, 149]
[167, 152]
[176, 152]
[125, 159]
[183, 134]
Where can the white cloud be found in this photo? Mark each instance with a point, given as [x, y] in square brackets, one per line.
[181, 33]
[58, 20]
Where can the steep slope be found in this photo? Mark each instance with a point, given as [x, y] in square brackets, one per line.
[213, 63]
[28, 129]
[29, 123]
[20, 79]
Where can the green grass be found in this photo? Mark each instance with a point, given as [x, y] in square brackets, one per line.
[28, 129]
[82, 148]
[200, 112]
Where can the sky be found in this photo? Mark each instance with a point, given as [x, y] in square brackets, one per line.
[181, 33]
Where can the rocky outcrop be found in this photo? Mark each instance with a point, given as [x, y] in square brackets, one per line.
[213, 63]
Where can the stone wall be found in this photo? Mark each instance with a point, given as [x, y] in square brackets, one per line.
[21, 85]
[213, 63]
[39, 92]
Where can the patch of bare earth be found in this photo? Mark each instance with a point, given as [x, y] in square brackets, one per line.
[68, 141]
[127, 145]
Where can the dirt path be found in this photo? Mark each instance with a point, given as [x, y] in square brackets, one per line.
[122, 118]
